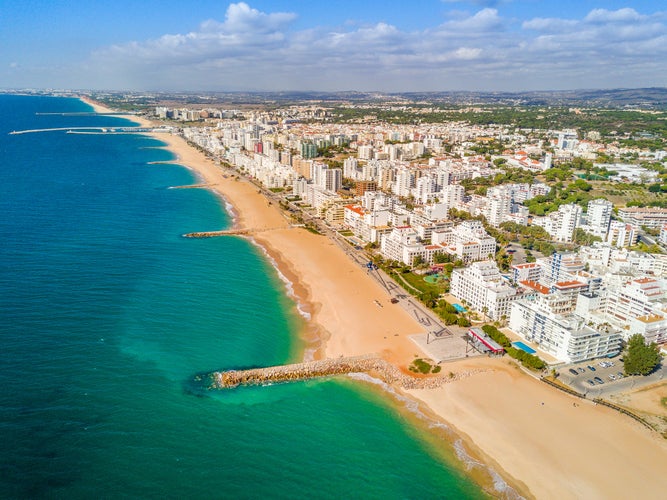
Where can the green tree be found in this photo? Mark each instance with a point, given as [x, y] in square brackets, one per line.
[640, 358]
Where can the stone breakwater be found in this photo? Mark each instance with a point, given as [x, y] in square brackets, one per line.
[371, 365]
[213, 234]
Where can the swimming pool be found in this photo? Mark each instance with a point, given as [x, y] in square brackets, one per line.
[459, 308]
[523, 347]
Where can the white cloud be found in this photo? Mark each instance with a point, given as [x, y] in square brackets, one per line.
[613, 16]
[255, 50]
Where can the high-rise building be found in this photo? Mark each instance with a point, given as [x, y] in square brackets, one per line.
[598, 216]
[332, 180]
[308, 150]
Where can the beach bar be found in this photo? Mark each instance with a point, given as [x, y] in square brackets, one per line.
[483, 342]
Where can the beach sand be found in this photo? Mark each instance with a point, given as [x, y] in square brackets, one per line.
[549, 450]
[538, 435]
[330, 287]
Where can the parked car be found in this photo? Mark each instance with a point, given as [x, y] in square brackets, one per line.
[590, 382]
[573, 371]
[591, 368]
[599, 380]
[620, 374]
[581, 370]
[612, 377]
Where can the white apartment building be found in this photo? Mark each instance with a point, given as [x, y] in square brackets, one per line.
[598, 217]
[405, 181]
[402, 244]
[367, 225]
[650, 217]
[365, 152]
[639, 307]
[565, 221]
[332, 179]
[663, 235]
[563, 335]
[469, 241]
[561, 266]
[622, 234]
[498, 207]
[483, 288]
[530, 271]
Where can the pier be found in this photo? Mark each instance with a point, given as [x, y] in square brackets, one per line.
[370, 364]
[99, 130]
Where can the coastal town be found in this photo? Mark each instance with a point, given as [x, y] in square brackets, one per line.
[374, 250]
[488, 264]
[440, 201]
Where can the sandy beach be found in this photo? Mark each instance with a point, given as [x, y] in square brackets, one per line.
[534, 435]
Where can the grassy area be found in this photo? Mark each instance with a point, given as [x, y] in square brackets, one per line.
[420, 365]
[417, 281]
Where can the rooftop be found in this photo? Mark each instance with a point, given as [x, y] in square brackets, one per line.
[535, 286]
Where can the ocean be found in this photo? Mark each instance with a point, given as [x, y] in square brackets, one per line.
[107, 314]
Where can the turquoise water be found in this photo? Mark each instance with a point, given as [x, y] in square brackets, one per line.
[524, 347]
[106, 315]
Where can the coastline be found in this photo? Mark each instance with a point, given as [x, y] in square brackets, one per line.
[555, 449]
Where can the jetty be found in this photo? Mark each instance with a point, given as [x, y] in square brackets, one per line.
[189, 186]
[96, 130]
[231, 232]
[369, 364]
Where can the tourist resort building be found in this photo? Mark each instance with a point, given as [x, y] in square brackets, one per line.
[482, 287]
[548, 319]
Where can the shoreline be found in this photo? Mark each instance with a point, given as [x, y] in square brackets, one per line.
[517, 426]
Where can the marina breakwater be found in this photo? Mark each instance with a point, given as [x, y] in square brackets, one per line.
[371, 365]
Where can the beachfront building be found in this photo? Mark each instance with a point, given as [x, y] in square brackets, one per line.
[482, 287]
[639, 307]
[402, 244]
[547, 319]
[367, 225]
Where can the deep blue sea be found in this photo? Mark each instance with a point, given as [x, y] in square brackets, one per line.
[107, 314]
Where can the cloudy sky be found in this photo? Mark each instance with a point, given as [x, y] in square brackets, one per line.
[390, 45]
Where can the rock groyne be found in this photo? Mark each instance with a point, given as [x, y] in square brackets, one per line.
[371, 365]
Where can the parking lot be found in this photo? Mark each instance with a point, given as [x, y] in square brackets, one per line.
[599, 377]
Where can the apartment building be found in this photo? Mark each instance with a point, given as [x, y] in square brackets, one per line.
[483, 288]
[566, 336]
[653, 218]
[598, 217]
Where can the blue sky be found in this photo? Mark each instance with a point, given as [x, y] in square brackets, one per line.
[417, 45]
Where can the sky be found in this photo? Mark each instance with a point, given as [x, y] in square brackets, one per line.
[333, 45]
